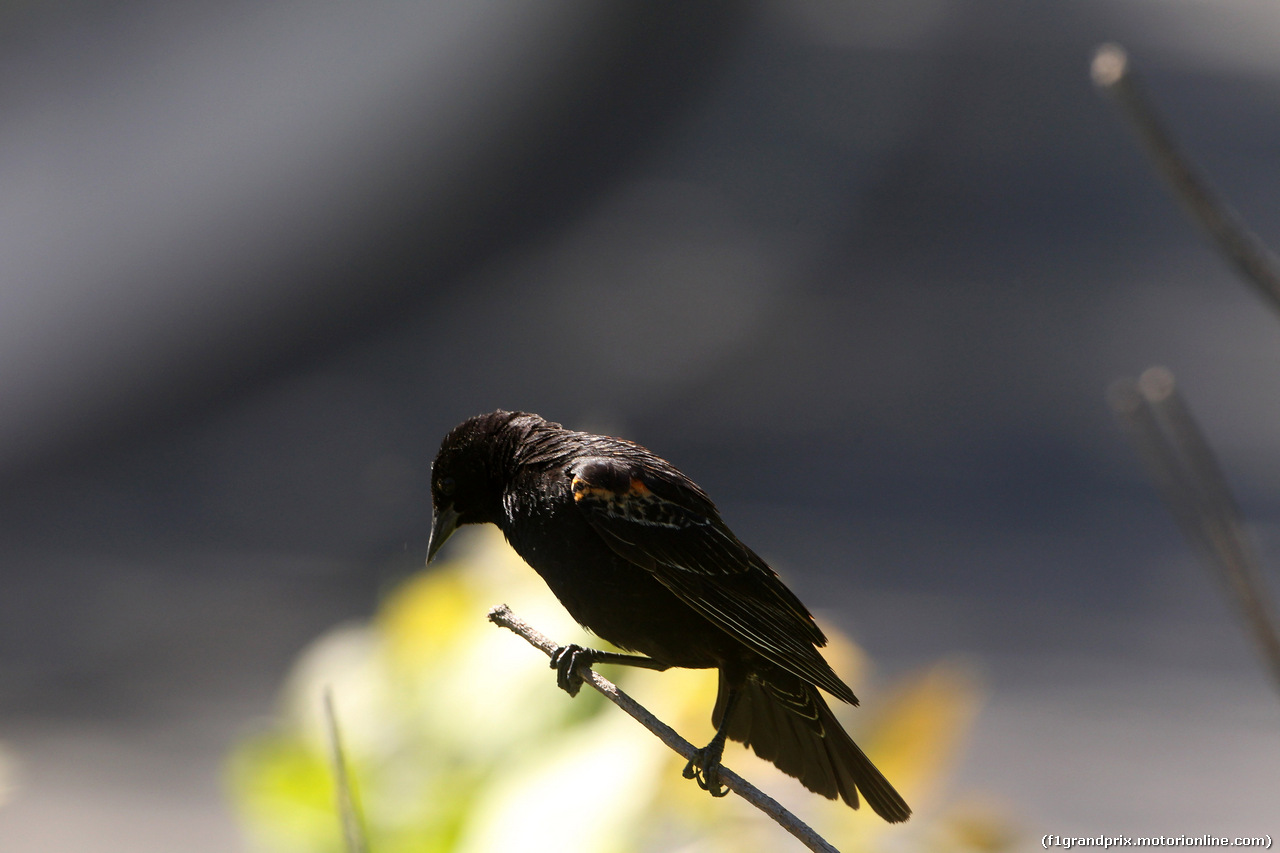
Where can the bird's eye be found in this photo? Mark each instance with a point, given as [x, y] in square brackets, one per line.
[448, 486]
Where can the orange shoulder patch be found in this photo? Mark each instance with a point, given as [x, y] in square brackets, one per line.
[636, 490]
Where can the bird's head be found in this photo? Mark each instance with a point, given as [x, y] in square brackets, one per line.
[467, 476]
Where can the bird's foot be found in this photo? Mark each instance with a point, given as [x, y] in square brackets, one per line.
[565, 660]
[704, 768]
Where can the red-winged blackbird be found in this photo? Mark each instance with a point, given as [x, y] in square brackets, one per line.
[638, 554]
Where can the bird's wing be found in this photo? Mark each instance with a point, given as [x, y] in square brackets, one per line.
[658, 519]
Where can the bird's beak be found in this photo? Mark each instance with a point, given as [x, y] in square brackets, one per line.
[442, 527]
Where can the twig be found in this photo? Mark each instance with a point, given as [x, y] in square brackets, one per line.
[352, 828]
[1113, 75]
[502, 615]
[1192, 484]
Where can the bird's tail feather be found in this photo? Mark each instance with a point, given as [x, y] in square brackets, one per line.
[788, 722]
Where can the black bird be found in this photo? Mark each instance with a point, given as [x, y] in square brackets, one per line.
[637, 554]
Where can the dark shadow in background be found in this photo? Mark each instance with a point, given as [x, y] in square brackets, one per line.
[625, 77]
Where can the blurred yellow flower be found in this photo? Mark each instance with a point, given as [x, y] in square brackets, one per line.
[458, 739]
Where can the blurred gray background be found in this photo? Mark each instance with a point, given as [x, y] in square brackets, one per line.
[863, 270]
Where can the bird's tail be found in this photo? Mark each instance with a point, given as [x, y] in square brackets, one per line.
[788, 722]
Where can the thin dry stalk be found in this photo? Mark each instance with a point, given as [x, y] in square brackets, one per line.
[1191, 482]
[502, 615]
[1113, 74]
[352, 827]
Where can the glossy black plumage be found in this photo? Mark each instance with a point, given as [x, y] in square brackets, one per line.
[638, 554]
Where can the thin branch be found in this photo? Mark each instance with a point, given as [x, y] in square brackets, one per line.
[352, 827]
[502, 615]
[1191, 482]
[1113, 75]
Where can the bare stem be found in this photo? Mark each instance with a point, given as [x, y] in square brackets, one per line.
[352, 827]
[1114, 76]
[502, 615]
[1192, 484]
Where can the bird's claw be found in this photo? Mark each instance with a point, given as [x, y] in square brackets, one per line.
[565, 660]
[705, 770]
